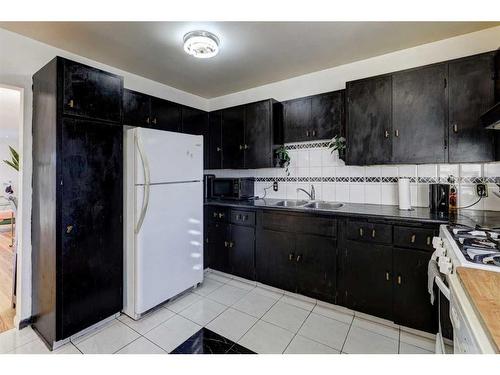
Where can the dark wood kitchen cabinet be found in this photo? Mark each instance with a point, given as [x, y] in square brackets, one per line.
[242, 251]
[419, 115]
[136, 108]
[215, 140]
[297, 253]
[233, 137]
[369, 121]
[412, 307]
[195, 121]
[259, 136]
[91, 93]
[218, 251]
[77, 231]
[314, 117]
[150, 112]
[368, 278]
[471, 93]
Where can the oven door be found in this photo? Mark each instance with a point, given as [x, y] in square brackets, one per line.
[445, 333]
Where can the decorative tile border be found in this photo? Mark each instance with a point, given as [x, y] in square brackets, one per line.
[300, 146]
[384, 180]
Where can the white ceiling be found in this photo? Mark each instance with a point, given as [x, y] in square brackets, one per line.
[252, 53]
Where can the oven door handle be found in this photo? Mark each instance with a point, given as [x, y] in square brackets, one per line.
[442, 287]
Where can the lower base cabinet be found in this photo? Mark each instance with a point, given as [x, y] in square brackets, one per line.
[298, 263]
[411, 303]
[368, 278]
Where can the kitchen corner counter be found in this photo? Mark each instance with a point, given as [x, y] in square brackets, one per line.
[418, 214]
[483, 290]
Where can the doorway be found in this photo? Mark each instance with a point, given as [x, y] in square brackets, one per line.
[10, 123]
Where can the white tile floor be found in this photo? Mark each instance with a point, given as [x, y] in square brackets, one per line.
[261, 318]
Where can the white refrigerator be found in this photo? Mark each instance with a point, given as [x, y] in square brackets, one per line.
[163, 226]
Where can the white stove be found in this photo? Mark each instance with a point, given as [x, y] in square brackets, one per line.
[461, 246]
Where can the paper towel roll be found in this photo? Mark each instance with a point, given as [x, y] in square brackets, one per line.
[404, 194]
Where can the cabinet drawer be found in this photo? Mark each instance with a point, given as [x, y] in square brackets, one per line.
[217, 214]
[243, 217]
[320, 226]
[371, 232]
[417, 238]
[306, 224]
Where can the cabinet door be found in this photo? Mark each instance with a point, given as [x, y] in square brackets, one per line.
[136, 109]
[369, 121]
[195, 121]
[327, 115]
[471, 93]
[242, 251]
[316, 266]
[275, 259]
[412, 307]
[92, 93]
[215, 140]
[165, 115]
[258, 135]
[218, 246]
[419, 115]
[90, 269]
[233, 137]
[368, 285]
[297, 120]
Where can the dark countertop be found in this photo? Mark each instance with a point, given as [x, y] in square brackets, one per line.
[418, 214]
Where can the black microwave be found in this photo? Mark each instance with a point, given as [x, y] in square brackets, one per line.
[232, 188]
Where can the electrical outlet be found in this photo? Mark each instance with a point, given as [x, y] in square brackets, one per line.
[275, 185]
[481, 190]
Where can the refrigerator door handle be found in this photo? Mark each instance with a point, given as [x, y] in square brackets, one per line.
[147, 181]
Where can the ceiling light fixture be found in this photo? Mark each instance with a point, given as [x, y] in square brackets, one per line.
[201, 44]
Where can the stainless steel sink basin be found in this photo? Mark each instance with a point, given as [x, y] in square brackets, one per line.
[290, 203]
[324, 205]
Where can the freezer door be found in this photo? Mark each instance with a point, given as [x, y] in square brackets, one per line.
[169, 244]
[167, 156]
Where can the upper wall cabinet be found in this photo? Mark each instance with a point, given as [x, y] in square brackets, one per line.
[150, 112]
[423, 115]
[369, 121]
[471, 93]
[419, 115]
[91, 93]
[314, 117]
[244, 136]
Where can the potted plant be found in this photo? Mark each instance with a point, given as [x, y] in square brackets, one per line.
[337, 144]
[14, 162]
[283, 158]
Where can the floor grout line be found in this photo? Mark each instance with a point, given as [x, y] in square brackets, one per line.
[308, 315]
[347, 335]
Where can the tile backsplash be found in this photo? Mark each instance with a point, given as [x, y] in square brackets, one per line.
[313, 164]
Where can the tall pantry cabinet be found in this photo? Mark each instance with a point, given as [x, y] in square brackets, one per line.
[77, 235]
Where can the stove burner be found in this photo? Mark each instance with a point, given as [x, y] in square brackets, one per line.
[478, 245]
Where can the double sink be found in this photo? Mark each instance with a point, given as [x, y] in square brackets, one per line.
[315, 205]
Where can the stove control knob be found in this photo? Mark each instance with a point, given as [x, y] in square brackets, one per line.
[437, 242]
[445, 266]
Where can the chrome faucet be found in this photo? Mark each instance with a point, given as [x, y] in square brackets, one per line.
[311, 195]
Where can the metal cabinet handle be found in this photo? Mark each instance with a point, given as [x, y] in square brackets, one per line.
[147, 120]
[290, 256]
[226, 244]
[71, 103]
[455, 128]
[69, 229]
[231, 244]
[373, 233]
[219, 149]
[412, 239]
[299, 258]
[387, 276]
[307, 133]
[399, 280]
[214, 214]
[154, 121]
[314, 133]
[241, 147]
[429, 240]
[245, 147]
[396, 133]
[386, 134]
[221, 215]
[361, 232]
